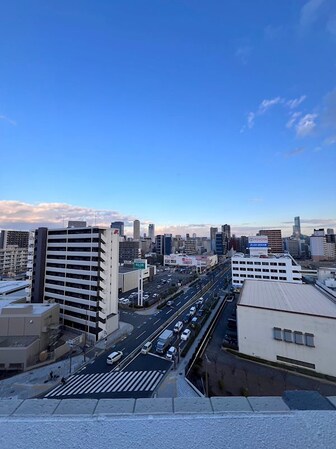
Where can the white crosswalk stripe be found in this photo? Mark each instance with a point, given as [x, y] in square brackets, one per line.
[114, 381]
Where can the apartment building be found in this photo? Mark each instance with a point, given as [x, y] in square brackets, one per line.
[13, 252]
[78, 269]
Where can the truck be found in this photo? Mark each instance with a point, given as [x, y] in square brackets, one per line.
[164, 341]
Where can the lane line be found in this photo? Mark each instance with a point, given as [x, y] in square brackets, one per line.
[140, 335]
[157, 321]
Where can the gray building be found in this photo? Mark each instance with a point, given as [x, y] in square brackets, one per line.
[129, 250]
[136, 230]
[120, 226]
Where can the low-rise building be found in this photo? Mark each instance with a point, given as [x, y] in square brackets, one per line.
[182, 260]
[292, 324]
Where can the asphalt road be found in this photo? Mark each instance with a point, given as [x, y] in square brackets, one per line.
[139, 375]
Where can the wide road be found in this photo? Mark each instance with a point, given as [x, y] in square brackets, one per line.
[136, 375]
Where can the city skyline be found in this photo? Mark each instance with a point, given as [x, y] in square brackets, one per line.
[183, 115]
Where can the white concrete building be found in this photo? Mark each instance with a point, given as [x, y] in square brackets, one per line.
[183, 260]
[288, 323]
[270, 268]
[78, 268]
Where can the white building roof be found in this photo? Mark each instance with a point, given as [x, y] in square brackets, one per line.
[287, 297]
[7, 287]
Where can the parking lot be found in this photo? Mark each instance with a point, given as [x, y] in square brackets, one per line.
[166, 282]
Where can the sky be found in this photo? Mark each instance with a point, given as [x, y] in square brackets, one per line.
[183, 113]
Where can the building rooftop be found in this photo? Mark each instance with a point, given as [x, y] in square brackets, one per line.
[25, 309]
[7, 287]
[286, 297]
[17, 341]
[262, 256]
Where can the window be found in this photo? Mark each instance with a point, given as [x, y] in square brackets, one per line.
[243, 275]
[243, 268]
[275, 278]
[242, 262]
[257, 276]
[235, 268]
[250, 276]
[310, 340]
[258, 269]
[266, 277]
[265, 270]
[274, 271]
[265, 263]
[282, 271]
[249, 263]
[283, 279]
[298, 338]
[250, 269]
[257, 263]
[277, 333]
[235, 261]
[281, 264]
[273, 263]
[288, 336]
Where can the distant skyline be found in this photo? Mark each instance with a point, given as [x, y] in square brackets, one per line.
[183, 114]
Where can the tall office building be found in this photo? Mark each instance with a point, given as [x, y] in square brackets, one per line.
[14, 238]
[297, 227]
[213, 232]
[120, 226]
[78, 268]
[136, 230]
[226, 229]
[274, 240]
[168, 244]
[151, 231]
[220, 244]
[159, 244]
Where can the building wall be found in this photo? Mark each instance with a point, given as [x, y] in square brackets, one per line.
[255, 268]
[274, 240]
[255, 337]
[19, 358]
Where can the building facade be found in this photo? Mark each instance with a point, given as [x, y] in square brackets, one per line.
[13, 253]
[151, 232]
[136, 230]
[78, 269]
[291, 324]
[128, 250]
[280, 268]
[120, 226]
[274, 240]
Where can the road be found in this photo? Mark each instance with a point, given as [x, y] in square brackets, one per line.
[137, 375]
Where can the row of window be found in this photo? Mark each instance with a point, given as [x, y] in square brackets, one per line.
[264, 270]
[243, 262]
[258, 276]
[296, 337]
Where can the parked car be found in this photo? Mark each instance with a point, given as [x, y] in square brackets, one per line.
[170, 303]
[120, 300]
[114, 357]
[187, 318]
[185, 334]
[171, 353]
[146, 347]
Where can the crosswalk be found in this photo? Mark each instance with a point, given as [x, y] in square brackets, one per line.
[111, 382]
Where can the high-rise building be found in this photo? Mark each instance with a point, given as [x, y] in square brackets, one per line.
[220, 244]
[322, 247]
[151, 231]
[129, 250]
[297, 227]
[190, 246]
[13, 252]
[330, 231]
[226, 229]
[78, 269]
[159, 244]
[168, 244]
[136, 230]
[274, 240]
[213, 232]
[120, 226]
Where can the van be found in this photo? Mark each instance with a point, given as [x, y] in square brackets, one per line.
[178, 327]
[114, 357]
[146, 347]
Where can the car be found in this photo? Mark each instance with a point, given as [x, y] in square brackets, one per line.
[171, 353]
[170, 303]
[146, 347]
[114, 357]
[125, 301]
[120, 300]
[145, 296]
[185, 334]
[187, 318]
[192, 310]
[200, 312]
[194, 322]
[178, 327]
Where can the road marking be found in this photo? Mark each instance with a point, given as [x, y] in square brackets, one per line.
[140, 335]
[169, 311]
[178, 303]
[157, 321]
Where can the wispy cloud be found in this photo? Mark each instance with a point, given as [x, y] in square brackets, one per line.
[243, 53]
[330, 140]
[293, 117]
[8, 120]
[306, 125]
[269, 103]
[310, 13]
[295, 152]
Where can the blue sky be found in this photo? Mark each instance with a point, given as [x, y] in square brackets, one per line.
[175, 112]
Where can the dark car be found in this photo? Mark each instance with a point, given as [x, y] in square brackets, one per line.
[187, 318]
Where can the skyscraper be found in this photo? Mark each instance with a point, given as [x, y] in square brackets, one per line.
[274, 240]
[296, 227]
[213, 232]
[136, 230]
[151, 231]
[120, 226]
[226, 229]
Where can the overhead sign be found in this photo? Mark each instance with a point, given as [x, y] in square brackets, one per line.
[139, 265]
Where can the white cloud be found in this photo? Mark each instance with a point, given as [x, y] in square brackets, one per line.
[293, 117]
[7, 119]
[306, 125]
[330, 140]
[294, 152]
[310, 13]
[250, 119]
[267, 104]
[294, 103]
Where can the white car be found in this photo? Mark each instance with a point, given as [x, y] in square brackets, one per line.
[171, 353]
[185, 334]
[114, 357]
[146, 347]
